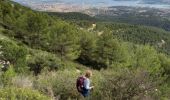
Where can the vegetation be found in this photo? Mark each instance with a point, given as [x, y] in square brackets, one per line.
[73, 16]
[142, 35]
[148, 18]
[21, 94]
[43, 55]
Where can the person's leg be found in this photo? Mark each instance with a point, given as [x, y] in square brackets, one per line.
[87, 95]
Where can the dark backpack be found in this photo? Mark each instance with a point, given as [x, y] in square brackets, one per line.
[80, 83]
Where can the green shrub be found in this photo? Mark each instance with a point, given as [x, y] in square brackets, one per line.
[109, 50]
[117, 84]
[15, 54]
[165, 88]
[11, 93]
[124, 84]
[147, 57]
[39, 60]
[165, 63]
[61, 84]
[6, 77]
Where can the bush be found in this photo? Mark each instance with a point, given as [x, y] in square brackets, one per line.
[6, 77]
[118, 84]
[147, 57]
[22, 81]
[124, 84]
[11, 93]
[39, 60]
[165, 63]
[61, 84]
[165, 88]
[109, 50]
[15, 54]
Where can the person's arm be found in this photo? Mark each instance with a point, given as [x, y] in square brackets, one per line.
[87, 84]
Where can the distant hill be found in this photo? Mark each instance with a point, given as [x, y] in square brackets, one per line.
[132, 15]
[138, 20]
[72, 16]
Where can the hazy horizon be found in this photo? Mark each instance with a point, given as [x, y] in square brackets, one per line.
[100, 3]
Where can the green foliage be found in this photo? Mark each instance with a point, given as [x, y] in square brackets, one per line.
[147, 57]
[6, 77]
[1, 14]
[165, 91]
[60, 85]
[35, 22]
[39, 60]
[134, 18]
[139, 35]
[64, 41]
[11, 93]
[15, 54]
[88, 46]
[132, 71]
[109, 84]
[125, 84]
[109, 50]
[165, 64]
[41, 31]
[6, 10]
[73, 16]
[101, 51]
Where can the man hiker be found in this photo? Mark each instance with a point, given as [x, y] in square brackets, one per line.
[83, 84]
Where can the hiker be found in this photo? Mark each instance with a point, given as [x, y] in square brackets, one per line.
[83, 84]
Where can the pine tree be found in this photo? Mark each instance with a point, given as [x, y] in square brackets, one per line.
[35, 22]
[109, 50]
[65, 42]
[88, 43]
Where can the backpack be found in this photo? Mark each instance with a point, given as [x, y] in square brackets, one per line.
[80, 84]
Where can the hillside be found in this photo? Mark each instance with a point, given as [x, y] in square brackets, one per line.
[72, 16]
[138, 20]
[133, 15]
[42, 55]
[139, 35]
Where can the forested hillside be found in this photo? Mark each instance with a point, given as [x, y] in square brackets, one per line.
[73, 16]
[42, 55]
[153, 36]
[149, 16]
[146, 19]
